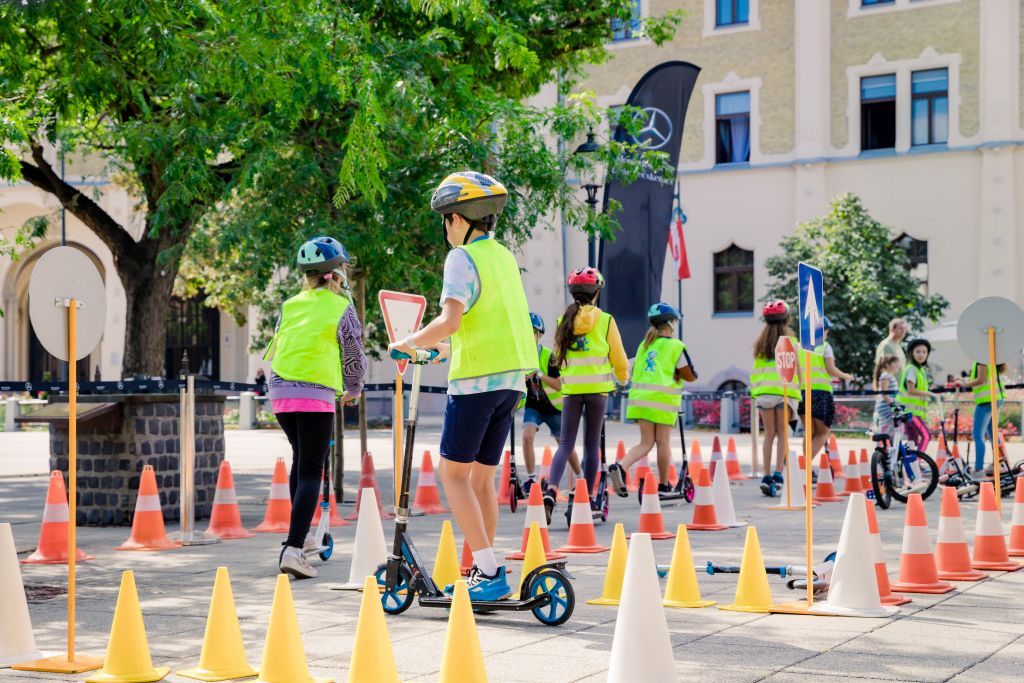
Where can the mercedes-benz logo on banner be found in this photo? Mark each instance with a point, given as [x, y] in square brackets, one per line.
[657, 130]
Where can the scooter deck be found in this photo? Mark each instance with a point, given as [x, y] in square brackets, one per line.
[530, 603]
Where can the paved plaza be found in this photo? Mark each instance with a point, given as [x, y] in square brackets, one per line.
[973, 634]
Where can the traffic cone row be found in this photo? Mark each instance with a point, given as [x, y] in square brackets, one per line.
[148, 524]
[825, 490]
[651, 521]
[278, 516]
[582, 538]
[918, 573]
[852, 482]
[732, 462]
[704, 515]
[368, 480]
[952, 556]
[535, 514]
[989, 545]
[225, 517]
[428, 496]
[52, 547]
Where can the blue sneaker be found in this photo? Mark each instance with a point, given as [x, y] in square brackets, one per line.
[483, 588]
[777, 478]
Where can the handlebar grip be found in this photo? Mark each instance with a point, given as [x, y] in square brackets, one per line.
[421, 355]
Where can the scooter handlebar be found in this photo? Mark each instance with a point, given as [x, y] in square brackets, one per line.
[421, 355]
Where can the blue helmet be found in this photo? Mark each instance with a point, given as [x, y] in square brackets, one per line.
[825, 323]
[661, 313]
[537, 322]
[321, 255]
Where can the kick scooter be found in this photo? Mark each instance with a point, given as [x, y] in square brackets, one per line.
[322, 533]
[515, 487]
[683, 489]
[546, 591]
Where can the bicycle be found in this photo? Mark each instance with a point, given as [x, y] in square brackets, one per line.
[909, 471]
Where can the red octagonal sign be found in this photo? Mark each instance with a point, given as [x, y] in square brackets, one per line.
[785, 359]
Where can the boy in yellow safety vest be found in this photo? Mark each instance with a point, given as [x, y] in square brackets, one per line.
[484, 311]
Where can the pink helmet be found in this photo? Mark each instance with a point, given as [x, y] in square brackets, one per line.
[775, 311]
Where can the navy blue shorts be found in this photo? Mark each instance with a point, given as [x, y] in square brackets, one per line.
[477, 425]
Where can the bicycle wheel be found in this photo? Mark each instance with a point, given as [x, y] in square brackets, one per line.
[917, 473]
[879, 483]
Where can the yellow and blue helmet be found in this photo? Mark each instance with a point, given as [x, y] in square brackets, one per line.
[470, 194]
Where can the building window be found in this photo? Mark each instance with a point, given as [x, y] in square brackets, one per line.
[734, 280]
[929, 107]
[878, 112]
[194, 328]
[875, 3]
[627, 30]
[732, 128]
[732, 12]
[917, 254]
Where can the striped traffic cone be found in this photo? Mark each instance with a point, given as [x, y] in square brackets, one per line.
[865, 470]
[952, 556]
[941, 453]
[226, 518]
[918, 573]
[704, 516]
[825, 490]
[732, 462]
[696, 460]
[835, 459]
[989, 544]
[852, 484]
[278, 516]
[651, 521]
[368, 480]
[582, 538]
[148, 524]
[1016, 545]
[620, 454]
[334, 517]
[545, 463]
[878, 557]
[535, 513]
[428, 497]
[716, 447]
[52, 547]
[673, 474]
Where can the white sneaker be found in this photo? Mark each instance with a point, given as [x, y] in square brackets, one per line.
[299, 567]
[310, 546]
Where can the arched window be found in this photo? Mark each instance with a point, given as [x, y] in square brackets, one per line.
[734, 280]
[732, 385]
[917, 254]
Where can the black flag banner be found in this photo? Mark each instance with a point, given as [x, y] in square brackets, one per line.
[633, 263]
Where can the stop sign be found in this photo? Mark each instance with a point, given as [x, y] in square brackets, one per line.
[785, 359]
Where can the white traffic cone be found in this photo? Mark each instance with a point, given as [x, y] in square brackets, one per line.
[721, 495]
[17, 643]
[792, 489]
[641, 646]
[853, 588]
[370, 550]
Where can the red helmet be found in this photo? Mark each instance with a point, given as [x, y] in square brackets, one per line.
[585, 281]
[775, 311]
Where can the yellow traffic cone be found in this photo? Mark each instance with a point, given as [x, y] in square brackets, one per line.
[682, 589]
[284, 658]
[616, 570]
[534, 556]
[446, 563]
[462, 660]
[223, 655]
[127, 658]
[753, 594]
[372, 656]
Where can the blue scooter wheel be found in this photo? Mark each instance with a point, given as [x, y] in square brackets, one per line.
[328, 550]
[399, 599]
[550, 581]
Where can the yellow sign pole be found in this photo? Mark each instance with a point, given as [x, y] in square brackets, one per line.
[397, 420]
[785, 443]
[808, 434]
[993, 392]
[72, 470]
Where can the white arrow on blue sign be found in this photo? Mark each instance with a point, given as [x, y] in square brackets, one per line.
[812, 307]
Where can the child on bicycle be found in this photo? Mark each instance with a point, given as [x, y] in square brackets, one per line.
[590, 356]
[655, 394]
[823, 407]
[978, 384]
[913, 393]
[885, 383]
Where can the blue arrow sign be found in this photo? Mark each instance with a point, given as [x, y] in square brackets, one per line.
[812, 307]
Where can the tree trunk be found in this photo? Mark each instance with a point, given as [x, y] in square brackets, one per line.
[148, 286]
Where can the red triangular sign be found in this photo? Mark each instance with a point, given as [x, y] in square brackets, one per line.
[403, 315]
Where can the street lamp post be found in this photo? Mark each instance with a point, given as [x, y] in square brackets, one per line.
[587, 177]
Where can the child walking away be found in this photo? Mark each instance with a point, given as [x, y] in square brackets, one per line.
[886, 385]
[913, 392]
[484, 311]
[655, 394]
[767, 391]
[543, 403]
[589, 353]
[316, 355]
[978, 384]
[823, 408]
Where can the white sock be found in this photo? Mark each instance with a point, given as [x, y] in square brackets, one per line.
[529, 474]
[293, 552]
[485, 561]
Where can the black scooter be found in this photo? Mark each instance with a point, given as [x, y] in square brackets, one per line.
[599, 503]
[683, 489]
[547, 590]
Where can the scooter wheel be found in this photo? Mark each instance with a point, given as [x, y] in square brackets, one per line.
[688, 491]
[328, 546]
[400, 599]
[554, 583]
[513, 499]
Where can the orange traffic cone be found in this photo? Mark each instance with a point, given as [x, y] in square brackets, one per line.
[503, 482]
[53, 534]
[673, 474]
[853, 480]
[1016, 546]
[466, 563]
[535, 513]
[225, 518]
[545, 463]
[952, 556]
[941, 453]
[716, 448]
[368, 479]
[834, 459]
[696, 460]
[878, 557]
[732, 462]
[582, 538]
[643, 473]
[918, 573]
[651, 521]
[428, 498]
[278, 516]
[148, 524]
[825, 490]
[989, 544]
[334, 517]
[704, 516]
[865, 470]
[620, 453]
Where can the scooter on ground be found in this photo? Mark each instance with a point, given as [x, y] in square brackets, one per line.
[683, 488]
[516, 492]
[546, 591]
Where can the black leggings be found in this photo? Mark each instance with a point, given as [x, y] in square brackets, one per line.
[573, 408]
[310, 437]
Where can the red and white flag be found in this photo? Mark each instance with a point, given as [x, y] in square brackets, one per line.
[676, 241]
